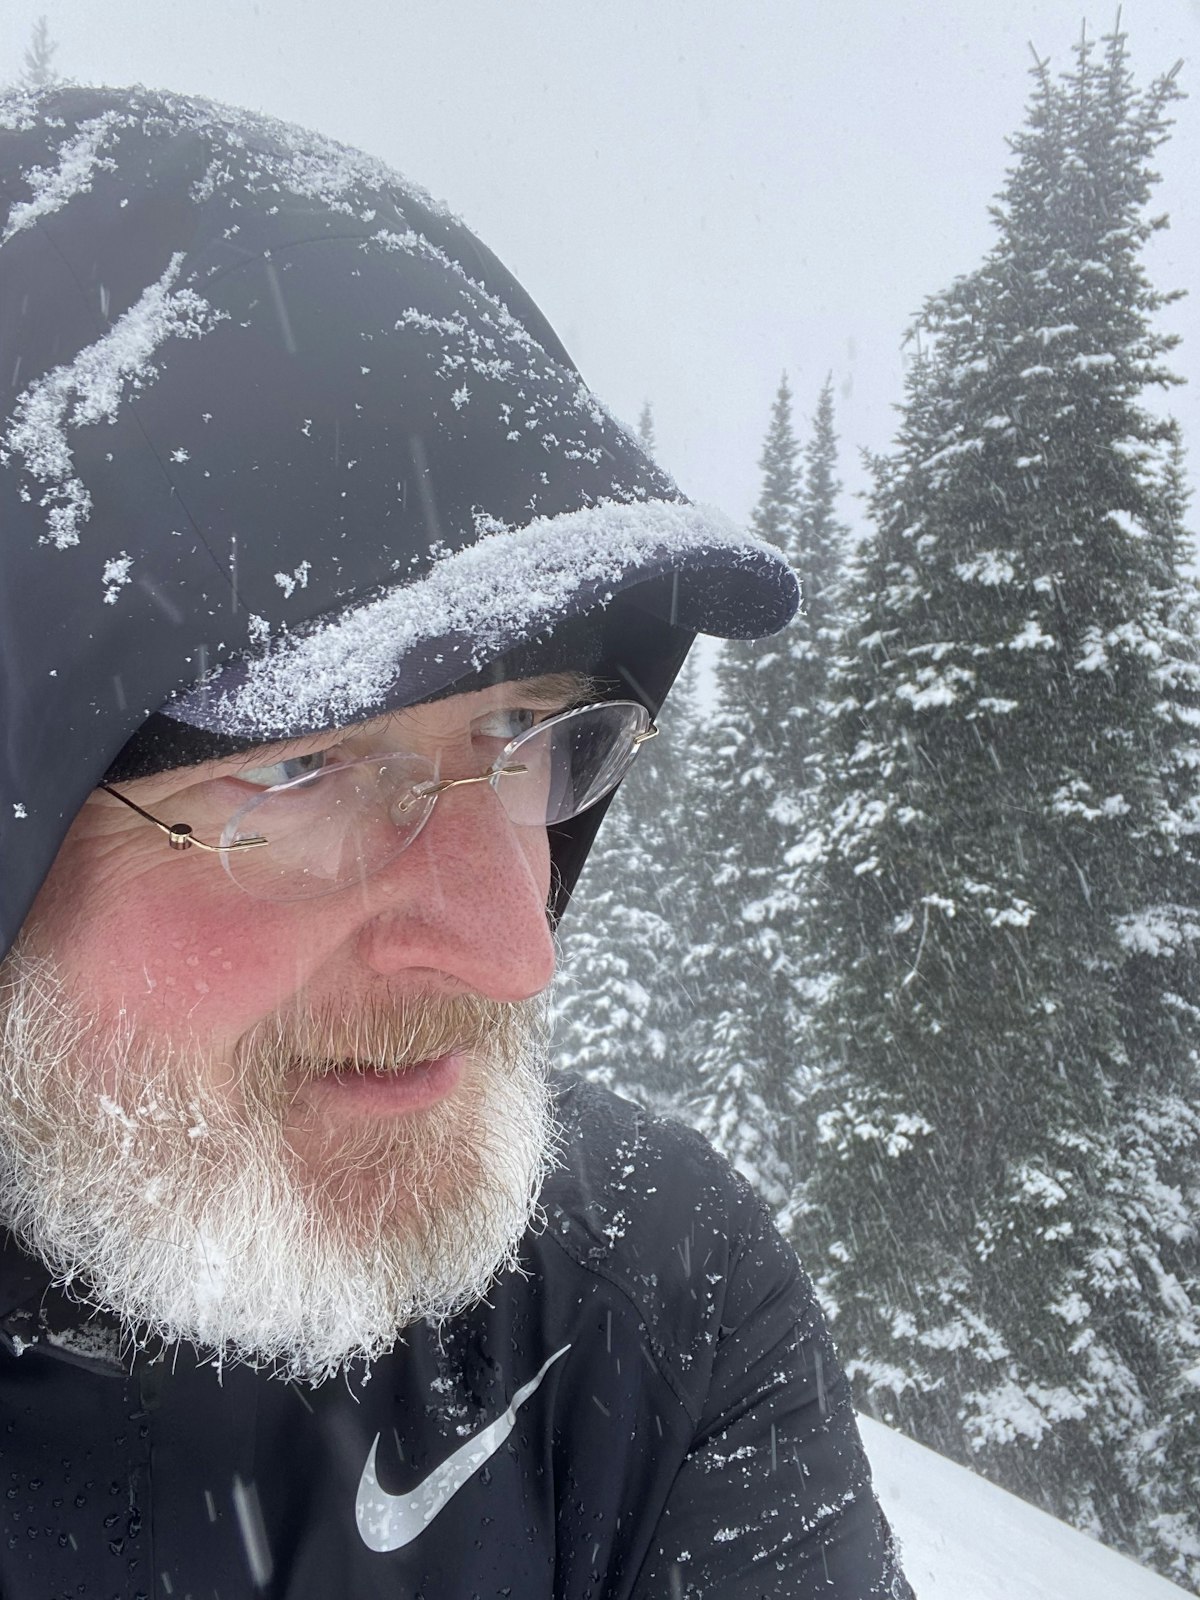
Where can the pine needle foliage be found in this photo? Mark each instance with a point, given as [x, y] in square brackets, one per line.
[1007, 1161]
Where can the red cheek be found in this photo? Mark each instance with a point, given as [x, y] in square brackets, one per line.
[199, 956]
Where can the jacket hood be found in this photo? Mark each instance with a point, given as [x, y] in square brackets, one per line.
[282, 445]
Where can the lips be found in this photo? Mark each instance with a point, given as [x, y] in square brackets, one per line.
[368, 1088]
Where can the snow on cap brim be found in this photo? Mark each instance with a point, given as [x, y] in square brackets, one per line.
[689, 564]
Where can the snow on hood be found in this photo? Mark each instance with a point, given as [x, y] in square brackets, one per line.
[89, 390]
[470, 608]
[275, 424]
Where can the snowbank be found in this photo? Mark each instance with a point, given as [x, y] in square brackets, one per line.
[963, 1539]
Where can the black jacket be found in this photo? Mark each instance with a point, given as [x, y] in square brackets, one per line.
[651, 1410]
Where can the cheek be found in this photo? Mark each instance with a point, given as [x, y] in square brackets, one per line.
[175, 947]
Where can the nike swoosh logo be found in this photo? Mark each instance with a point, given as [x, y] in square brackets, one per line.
[390, 1521]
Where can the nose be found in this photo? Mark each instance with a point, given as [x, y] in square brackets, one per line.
[466, 900]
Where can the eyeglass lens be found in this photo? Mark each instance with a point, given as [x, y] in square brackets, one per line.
[332, 828]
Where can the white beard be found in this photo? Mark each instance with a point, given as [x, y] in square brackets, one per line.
[185, 1211]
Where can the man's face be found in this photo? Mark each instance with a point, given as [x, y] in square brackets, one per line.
[285, 1129]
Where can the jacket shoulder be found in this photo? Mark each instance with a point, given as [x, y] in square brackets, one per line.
[613, 1154]
[649, 1205]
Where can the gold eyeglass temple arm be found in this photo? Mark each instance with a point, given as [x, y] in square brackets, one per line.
[179, 834]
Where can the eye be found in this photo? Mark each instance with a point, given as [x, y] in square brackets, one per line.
[508, 724]
[285, 770]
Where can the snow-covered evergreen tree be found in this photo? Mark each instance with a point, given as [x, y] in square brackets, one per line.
[1007, 1163]
[754, 811]
[646, 429]
[820, 554]
[39, 71]
[1159, 1008]
[623, 1007]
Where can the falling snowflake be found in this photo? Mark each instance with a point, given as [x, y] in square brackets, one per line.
[115, 576]
[290, 581]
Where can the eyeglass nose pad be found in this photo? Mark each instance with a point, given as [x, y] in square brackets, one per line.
[410, 808]
[399, 808]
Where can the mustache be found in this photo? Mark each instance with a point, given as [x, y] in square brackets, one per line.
[381, 1035]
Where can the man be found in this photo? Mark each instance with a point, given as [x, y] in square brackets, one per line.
[333, 608]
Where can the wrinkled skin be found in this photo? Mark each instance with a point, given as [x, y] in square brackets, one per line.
[191, 1076]
[164, 940]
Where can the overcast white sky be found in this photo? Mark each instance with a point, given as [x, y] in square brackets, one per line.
[698, 192]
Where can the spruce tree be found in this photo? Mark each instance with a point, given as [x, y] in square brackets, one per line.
[646, 429]
[777, 510]
[1008, 1149]
[755, 812]
[1159, 1008]
[39, 72]
[820, 555]
[623, 1007]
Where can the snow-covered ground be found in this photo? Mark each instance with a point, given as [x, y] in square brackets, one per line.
[964, 1539]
